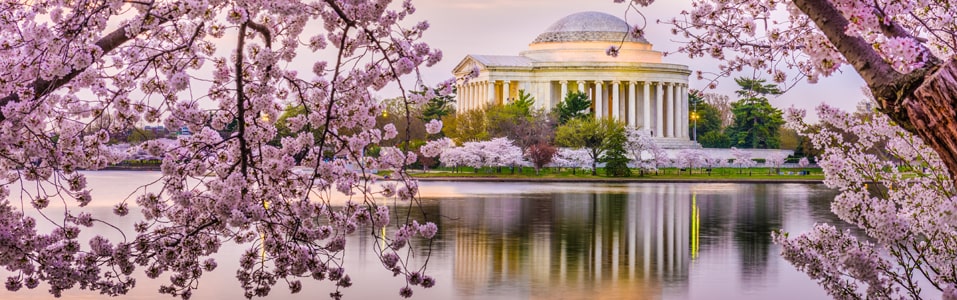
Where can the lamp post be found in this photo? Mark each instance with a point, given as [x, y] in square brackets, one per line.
[694, 117]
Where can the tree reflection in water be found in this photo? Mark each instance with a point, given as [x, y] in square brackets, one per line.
[614, 241]
[587, 241]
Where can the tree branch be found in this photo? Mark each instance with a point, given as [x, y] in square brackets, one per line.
[107, 44]
[241, 102]
[890, 88]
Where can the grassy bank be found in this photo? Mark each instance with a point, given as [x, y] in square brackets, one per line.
[715, 174]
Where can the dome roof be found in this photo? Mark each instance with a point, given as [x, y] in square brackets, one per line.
[590, 26]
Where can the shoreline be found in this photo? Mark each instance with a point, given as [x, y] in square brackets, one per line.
[561, 180]
[617, 180]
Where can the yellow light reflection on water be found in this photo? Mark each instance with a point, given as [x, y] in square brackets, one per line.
[695, 225]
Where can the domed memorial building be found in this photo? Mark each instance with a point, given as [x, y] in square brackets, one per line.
[634, 87]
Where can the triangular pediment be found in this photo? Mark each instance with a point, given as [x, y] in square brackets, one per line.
[466, 66]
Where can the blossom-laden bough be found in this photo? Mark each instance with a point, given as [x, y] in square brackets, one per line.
[898, 192]
[903, 50]
[73, 72]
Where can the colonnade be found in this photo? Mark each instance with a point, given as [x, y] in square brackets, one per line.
[660, 107]
[474, 95]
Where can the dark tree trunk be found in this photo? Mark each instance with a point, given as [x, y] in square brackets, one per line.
[932, 114]
[923, 102]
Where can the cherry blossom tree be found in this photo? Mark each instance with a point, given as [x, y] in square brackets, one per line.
[742, 158]
[690, 159]
[223, 70]
[573, 158]
[640, 145]
[903, 202]
[497, 152]
[803, 162]
[775, 160]
[659, 158]
[902, 49]
[713, 161]
[457, 157]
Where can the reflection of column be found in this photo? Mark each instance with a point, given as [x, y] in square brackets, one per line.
[632, 230]
[615, 98]
[597, 250]
[646, 218]
[670, 210]
[599, 101]
[659, 233]
[646, 109]
[472, 261]
[632, 103]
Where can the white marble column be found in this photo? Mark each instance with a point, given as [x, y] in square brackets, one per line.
[659, 112]
[564, 91]
[678, 109]
[468, 97]
[472, 96]
[475, 95]
[646, 106]
[458, 98]
[581, 86]
[483, 94]
[684, 111]
[505, 91]
[672, 111]
[599, 100]
[490, 89]
[632, 103]
[479, 94]
[615, 100]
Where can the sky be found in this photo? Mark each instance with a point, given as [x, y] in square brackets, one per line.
[506, 27]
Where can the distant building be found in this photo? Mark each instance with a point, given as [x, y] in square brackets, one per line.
[635, 87]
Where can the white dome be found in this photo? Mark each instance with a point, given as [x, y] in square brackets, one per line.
[590, 26]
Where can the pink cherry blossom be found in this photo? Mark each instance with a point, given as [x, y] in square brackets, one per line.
[897, 191]
[74, 74]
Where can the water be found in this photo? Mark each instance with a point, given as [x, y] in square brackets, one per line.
[563, 241]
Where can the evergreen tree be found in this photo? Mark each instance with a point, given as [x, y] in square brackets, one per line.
[615, 157]
[756, 122]
[437, 107]
[575, 105]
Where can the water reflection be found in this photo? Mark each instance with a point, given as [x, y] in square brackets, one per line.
[627, 242]
[582, 241]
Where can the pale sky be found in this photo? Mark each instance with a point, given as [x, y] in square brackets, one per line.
[506, 27]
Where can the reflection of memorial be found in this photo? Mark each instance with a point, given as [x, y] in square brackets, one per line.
[577, 246]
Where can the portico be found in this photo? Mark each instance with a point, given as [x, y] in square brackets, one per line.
[635, 87]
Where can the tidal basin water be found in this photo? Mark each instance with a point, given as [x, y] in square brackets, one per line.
[558, 241]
